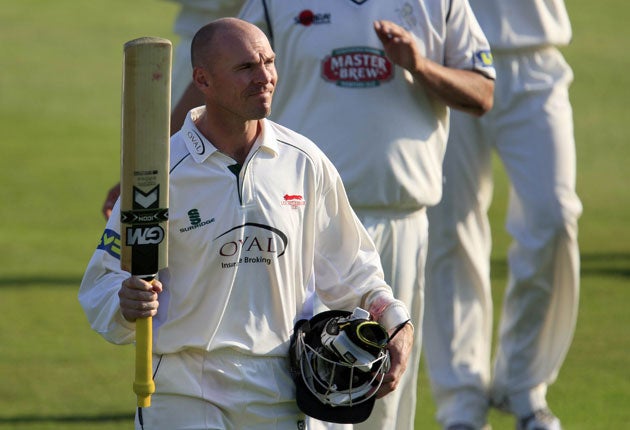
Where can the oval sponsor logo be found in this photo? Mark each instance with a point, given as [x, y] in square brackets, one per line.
[252, 239]
[196, 141]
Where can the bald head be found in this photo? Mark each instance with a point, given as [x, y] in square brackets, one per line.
[219, 34]
[234, 69]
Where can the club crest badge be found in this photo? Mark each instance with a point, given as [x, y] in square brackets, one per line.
[293, 200]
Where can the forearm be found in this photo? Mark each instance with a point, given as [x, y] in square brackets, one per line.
[385, 309]
[464, 90]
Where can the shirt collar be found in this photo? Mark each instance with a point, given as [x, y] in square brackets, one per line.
[201, 148]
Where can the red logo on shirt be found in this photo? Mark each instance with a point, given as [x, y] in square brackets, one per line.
[357, 67]
[308, 17]
[293, 200]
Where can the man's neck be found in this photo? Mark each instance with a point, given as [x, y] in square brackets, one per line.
[234, 140]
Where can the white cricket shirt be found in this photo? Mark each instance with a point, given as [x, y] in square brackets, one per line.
[517, 24]
[244, 249]
[194, 14]
[385, 134]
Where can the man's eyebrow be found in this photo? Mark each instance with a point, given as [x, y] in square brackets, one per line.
[246, 62]
[251, 61]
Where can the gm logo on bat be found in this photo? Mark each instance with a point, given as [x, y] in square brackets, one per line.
[149, 235]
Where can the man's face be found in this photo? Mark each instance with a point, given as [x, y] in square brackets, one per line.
[242, 76]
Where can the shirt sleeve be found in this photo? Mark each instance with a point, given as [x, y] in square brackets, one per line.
[348, 271]
[98, 294]
[466, 44]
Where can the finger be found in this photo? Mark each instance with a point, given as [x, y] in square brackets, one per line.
[156, 286]
[132, 309]
[131, 304]
[139, 298]
[136, 283]
[135, 288]
[382, 34]
[378, 26]
[388, 29]
[392, 378]
[137, 295]
[388, 385]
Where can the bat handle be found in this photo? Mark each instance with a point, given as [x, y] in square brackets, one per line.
[143, 385]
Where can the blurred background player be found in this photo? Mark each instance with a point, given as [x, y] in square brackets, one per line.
[531, 129]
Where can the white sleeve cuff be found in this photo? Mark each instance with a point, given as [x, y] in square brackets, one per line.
[394, 315]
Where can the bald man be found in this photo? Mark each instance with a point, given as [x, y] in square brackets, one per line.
[242, 261]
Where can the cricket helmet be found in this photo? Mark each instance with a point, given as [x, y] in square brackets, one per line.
[338, 361]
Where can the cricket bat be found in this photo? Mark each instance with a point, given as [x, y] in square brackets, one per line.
[146, 109]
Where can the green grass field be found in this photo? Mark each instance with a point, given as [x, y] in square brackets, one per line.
[60, 120]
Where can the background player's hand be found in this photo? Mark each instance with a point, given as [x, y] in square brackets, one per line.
[110, 200]
[139, 298]
[400, 46]
[399, 351]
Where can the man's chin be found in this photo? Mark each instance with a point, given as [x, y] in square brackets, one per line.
[259, 114]
[263, 111]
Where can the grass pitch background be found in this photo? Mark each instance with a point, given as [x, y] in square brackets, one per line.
[60, 124]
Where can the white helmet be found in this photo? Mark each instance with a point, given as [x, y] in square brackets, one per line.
[338, 361]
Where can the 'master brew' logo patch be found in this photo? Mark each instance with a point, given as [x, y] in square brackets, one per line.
[357, 67]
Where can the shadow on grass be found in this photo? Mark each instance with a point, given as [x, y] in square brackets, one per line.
[606, 264]
[33, 419]
[40, 280]
[592, 264]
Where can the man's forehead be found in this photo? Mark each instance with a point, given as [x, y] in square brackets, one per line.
[246, 49]
[252, 41]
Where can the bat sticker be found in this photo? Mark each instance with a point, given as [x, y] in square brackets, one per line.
[150, 235]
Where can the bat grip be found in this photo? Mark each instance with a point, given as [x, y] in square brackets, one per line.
[143, 384]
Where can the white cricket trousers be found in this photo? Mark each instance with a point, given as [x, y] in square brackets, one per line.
[531, 130]
[225, 389]
[401, 239]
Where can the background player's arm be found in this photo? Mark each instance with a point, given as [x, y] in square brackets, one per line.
[191, 98]
[465, 90]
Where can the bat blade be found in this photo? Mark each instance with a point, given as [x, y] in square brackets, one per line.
[144, 184]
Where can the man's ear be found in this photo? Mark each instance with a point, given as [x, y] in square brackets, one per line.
[200, 78]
